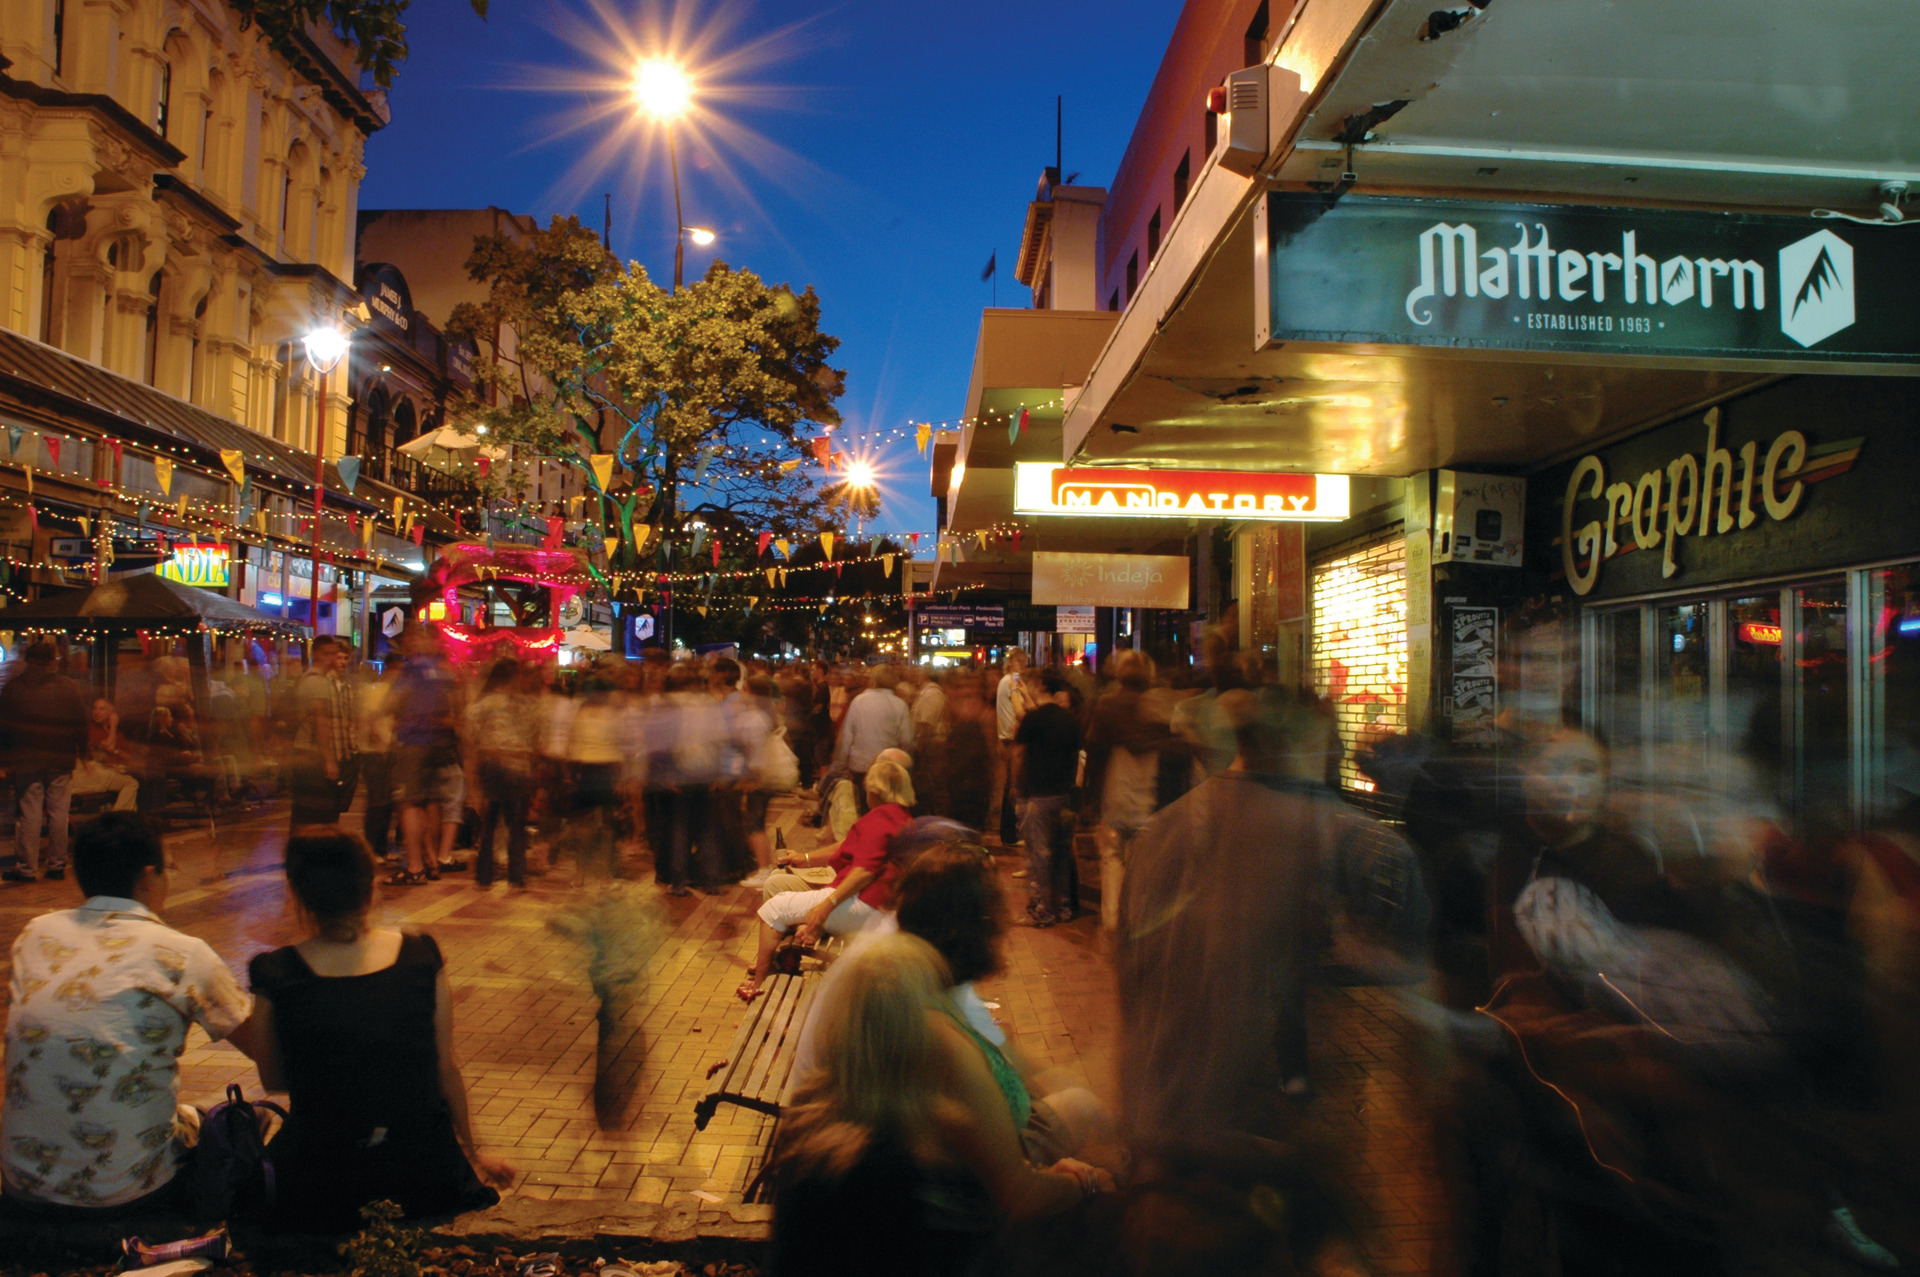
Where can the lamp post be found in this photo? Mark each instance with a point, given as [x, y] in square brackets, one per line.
[663, 90]
[326, 347]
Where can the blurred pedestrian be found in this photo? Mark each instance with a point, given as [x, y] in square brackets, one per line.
[43, 731]
[427, 746]
[325, 758]
[501, 726]
[877, 719]
[1011, 700]
[108, 766]
[1046, 761]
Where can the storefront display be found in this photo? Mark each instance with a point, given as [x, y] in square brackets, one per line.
[1359, 661]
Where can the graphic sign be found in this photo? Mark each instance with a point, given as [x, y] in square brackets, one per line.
[1624, 281]
[1110, 580]
[204, 565]
[1051, 488]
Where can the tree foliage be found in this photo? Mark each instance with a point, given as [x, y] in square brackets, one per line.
[704, 392]
[374, 27]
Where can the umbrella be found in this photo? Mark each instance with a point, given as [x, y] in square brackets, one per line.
[587, 637]
[139, 601]
[448, 439]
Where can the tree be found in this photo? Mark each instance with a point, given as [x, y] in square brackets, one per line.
[373, 27]
[715, 389]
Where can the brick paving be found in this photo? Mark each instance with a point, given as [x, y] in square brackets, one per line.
[526, 1030]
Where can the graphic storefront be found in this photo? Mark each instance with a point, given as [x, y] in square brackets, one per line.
[1746, 584]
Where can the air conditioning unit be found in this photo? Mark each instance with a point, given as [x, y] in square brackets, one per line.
[1479, 518]
[1257, 106]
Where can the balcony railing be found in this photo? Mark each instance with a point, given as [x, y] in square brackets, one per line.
[423, 481]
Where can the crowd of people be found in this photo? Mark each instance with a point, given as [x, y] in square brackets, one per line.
[1670, 1025]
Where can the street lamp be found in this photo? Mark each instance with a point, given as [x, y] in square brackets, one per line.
[663, 90]
[326, 346]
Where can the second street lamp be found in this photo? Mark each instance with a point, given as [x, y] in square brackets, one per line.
[326, 346]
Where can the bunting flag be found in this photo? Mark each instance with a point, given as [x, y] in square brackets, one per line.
[641, 531]
[1016, 540]
[1017, 427]
[783, 578]
[556, 528]
[118, 457]
[836, 568]
[602, 463]
[766, 539]
[612, 544]
[419, 533]
[873, 547]
[180, 507]
[573, 506]
[785, 547]
[53, 449]
[826, 543]
[33, 517]
[922, 433]
[700, 470]
[406, 525]
[260, 521]
[349, 468]
[86, 525]
[716, 554]
[485, 464]
[366, 534]
[787, 466]
[701, 609]
[886, 565]
[981, 537]
[353, 523]
[770, 575]
[820, 445]
[235, 461]
[915, 538]
[398, 502]
[14, 435]
[753, 601]
[163, 474]
[699, 539]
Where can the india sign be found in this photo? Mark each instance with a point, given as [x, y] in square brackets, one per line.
[1049, 488]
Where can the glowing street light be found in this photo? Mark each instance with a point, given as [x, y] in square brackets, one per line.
[663, 89]
[700, 235]
[326, 346]
[860, 474]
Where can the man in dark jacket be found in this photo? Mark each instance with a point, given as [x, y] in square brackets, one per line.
[43, 722]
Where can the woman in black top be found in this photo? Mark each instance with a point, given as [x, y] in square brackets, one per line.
[360, 1023]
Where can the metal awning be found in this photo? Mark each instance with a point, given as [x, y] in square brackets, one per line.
[1764, 106]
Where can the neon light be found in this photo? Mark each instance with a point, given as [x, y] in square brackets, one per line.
[1759, 632]
[1909, 625]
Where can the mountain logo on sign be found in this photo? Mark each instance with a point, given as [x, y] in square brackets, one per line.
[1816, 294]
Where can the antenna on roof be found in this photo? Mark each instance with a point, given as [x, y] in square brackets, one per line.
[1057, 111]
[606, 235]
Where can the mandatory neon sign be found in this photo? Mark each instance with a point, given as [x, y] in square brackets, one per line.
[1045, 488]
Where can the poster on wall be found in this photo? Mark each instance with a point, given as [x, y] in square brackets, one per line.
[1110, 580]
[1474, 692]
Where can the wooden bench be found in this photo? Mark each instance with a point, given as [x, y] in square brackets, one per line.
[759, 1064]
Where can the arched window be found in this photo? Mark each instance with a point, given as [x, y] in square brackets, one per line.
[163, 100]
[405, 424]
[373, 428]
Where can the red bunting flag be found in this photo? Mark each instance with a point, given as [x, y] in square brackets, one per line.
[53, 450]
[915, 538]
[33, 517]
[766, 539]
[353, 523]
[116, 445]
[820, 445]
[556, 527]
[716, 552]
[1016, 540]
[419, 532]
[486, 466]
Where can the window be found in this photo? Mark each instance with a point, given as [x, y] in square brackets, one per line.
[1133, 273]
[1257, 36]
[59, 37]
[1182, 175]
[1153, 235]
[163, 107]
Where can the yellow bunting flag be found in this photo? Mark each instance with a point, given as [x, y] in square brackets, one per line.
[406, 525]
[886, 564]
[163, 474]
[641, 531]
[784, 546]
[260, 521]
[236, 463]
[86, 525]
[783, 578]
[826, 543]
[573, 506]
[180, 507]
[753, 601]
[366, 532]
[398, 504]
[770, 572]
[786, 466]
[602, 463]
[612, 544]
[701, 610]
[922, 433]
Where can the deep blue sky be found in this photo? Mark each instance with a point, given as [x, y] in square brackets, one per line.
[889, 147]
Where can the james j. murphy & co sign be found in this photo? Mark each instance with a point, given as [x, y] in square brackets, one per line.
[1469, 273]
[1717, 493]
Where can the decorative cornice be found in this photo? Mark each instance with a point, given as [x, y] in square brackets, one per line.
[171, 189]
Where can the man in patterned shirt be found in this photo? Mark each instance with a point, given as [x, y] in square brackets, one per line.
[102, 997]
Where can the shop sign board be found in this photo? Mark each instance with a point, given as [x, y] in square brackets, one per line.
[1110, 580]
[1807, 474]
[1126, 492]
[202, 564]
[1475, 274]
[960, 616]
[384, 290]
[1073, 620]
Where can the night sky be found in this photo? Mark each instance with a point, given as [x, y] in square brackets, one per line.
[878, 150]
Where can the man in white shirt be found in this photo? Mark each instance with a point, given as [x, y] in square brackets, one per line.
[876, 720]
[1010, 704]
[102, 999]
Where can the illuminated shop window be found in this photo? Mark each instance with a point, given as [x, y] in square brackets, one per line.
[1360, 645]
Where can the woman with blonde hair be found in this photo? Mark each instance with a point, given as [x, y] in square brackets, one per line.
[862, 887]
[898, 1154]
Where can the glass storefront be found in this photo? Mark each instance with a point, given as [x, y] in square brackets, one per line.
[1360, 644]
[1812, 687]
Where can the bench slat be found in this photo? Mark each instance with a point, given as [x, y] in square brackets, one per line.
[742, 1063]
[770, 1044]
[777, 1081]
[781, 1042]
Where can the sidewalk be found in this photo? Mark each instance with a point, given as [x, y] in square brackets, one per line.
[526, 1034]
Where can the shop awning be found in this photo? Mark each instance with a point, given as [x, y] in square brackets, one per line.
[1714, 105]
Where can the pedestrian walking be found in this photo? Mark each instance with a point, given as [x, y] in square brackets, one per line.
[1046, 762]
[43, 730]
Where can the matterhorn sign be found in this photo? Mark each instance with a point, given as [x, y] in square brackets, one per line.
[1621, 281]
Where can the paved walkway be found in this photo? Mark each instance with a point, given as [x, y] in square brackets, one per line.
[526, 1031]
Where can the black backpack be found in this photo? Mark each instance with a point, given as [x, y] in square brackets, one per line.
[232, 1172]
